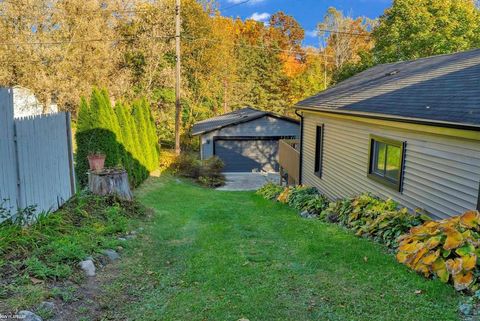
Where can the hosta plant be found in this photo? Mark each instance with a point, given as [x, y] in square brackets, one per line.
[270, 191]
[447, 249]
[300, 195]
[284, 195]
[371, 217]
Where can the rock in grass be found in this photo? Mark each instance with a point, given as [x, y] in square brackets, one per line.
[466, 308]
[28, 316]
[111, 254]
[88, 267]
[47, 306]
[309, 215]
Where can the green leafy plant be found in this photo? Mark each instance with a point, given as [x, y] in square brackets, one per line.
[125, 134]
[372, 217]
[298, 196]
[270, 191]
[448, 249]
[206, 172]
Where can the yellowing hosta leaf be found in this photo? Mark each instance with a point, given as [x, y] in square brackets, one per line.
[419, 255]
[462, 281]
[422, 268]
[469, 262]
[433, 242]
[454, 239]
[431, 257]
[454, 266]
[410, 247]
[469, 219]
[440, 269]
[402, 257]
[465, 250]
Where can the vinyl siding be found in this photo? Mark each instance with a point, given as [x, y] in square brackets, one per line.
[441, 174]
[265, 127]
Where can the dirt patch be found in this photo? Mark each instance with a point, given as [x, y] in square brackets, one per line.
[87, 300]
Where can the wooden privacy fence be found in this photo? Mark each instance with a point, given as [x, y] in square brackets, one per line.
[36, 160]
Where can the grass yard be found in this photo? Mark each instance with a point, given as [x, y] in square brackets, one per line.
[210, 255]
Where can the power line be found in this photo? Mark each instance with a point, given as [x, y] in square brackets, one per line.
[345, 33]
[48, 43]
[99, 10]
[235, 5]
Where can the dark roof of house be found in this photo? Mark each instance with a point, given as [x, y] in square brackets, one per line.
[443, 90]
[233, 118]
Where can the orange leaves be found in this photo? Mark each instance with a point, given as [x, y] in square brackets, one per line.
[433, 242]
[462, 281]
[447, 249]
[454, 266]
[454, 239]
[431, 257]
[470, 219]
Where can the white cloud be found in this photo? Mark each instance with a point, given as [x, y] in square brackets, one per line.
[251, 2]
[262, 17]
[311, 33]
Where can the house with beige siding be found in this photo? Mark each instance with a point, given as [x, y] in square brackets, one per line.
[409, 131]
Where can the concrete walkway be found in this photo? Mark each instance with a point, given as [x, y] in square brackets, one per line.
[247, 181]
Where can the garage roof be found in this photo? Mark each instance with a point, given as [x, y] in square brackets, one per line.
[443, 90]
[233, 118]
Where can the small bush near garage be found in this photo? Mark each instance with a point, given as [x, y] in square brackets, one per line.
[205, 172]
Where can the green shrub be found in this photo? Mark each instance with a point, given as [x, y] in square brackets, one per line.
[270, 191]
[127, 136]
[206, 172]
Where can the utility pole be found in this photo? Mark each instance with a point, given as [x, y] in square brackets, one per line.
[178, 107]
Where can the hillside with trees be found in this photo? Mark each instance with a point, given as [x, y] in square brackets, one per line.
[62, 49]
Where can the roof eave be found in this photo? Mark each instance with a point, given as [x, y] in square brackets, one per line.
[411, 120]
[245, 121]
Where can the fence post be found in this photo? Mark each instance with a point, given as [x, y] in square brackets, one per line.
[68, 120]
[20, 204]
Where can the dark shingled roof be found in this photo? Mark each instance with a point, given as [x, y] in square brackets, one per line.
[440, 89]
[232, 118]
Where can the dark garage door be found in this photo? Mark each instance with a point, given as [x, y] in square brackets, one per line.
[248, 155]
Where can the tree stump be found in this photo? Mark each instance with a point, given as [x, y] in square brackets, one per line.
[110, 182]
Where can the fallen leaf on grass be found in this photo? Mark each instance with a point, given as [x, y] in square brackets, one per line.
[36, 281]
[418, 291]
[365, 259]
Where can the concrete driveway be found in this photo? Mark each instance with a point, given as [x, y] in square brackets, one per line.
[247, 181]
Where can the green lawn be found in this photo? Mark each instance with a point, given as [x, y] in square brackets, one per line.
[209, 255]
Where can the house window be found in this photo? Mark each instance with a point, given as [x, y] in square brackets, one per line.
[319, 151]
[386, 161]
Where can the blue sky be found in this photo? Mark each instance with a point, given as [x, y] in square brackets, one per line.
[307, 12]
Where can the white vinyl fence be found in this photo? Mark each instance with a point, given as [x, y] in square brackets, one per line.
[36, 160]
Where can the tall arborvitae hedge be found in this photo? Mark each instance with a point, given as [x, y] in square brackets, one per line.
[122, 133]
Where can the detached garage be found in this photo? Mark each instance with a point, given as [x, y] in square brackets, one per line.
[246, 139]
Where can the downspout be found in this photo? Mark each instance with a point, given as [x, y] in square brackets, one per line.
[301, 147]
[478, 199]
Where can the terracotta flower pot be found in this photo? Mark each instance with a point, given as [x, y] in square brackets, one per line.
[96, 162]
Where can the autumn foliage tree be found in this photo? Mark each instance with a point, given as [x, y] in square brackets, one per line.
[413, 29]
